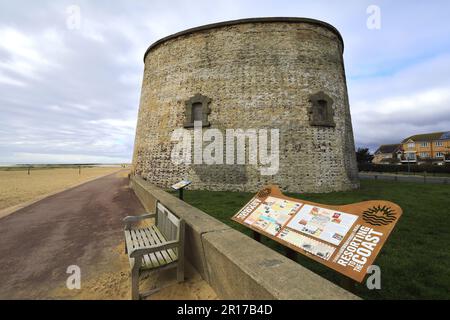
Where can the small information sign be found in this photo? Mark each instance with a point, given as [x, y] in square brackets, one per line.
[181, 184]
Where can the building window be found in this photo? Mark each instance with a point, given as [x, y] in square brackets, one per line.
[321, 111]
[197, 109]
[411, 145]
[438, 143]
[424, 144]
[439, 154]
[410, 156]
[424, 155]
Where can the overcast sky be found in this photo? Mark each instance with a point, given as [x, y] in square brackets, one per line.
[71, 94]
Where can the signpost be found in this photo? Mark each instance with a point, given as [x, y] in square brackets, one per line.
[180, 186]
[345, 238]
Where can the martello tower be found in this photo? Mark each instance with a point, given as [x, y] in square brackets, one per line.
[282, 73]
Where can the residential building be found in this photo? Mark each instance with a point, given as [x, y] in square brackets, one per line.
[388, 153]
[429, 147]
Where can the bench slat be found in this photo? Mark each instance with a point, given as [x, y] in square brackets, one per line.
[163, 223]
[129, 240]
[157, 241]
[146, 258]
[158, 254]
[134, 239]
[164, 253]
[153, 258]
[173, 218]
[158, 235]
[175, 232]
[171, 231]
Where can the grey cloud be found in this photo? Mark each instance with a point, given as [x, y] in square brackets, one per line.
[83, 102]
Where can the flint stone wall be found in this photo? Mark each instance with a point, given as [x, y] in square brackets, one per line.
[259, 74]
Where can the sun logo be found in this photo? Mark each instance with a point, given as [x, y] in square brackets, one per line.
[264, 193]
[379, 215]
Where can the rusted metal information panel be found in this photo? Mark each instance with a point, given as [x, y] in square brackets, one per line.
[346, 238]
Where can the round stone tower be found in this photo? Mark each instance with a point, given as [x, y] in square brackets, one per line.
[285, 75]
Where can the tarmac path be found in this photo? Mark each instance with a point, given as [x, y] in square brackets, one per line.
[79, 226]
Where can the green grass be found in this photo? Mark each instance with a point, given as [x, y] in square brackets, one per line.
[414, 261]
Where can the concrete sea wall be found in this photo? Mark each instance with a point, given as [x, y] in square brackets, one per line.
[236, 266]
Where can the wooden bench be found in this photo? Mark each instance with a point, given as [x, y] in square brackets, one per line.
[157, 247]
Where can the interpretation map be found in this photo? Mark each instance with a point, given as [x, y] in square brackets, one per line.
[346, 238]
[272, 214]
[324, 224]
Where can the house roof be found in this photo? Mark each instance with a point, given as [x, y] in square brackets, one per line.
[429, 136]
[388, 148]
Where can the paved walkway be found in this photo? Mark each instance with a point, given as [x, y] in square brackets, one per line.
[79, 226]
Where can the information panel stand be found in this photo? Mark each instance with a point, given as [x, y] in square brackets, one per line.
[180, 186]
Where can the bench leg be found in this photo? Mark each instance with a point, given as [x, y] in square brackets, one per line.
[180, 272]
[135, 284]
[149, 293]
